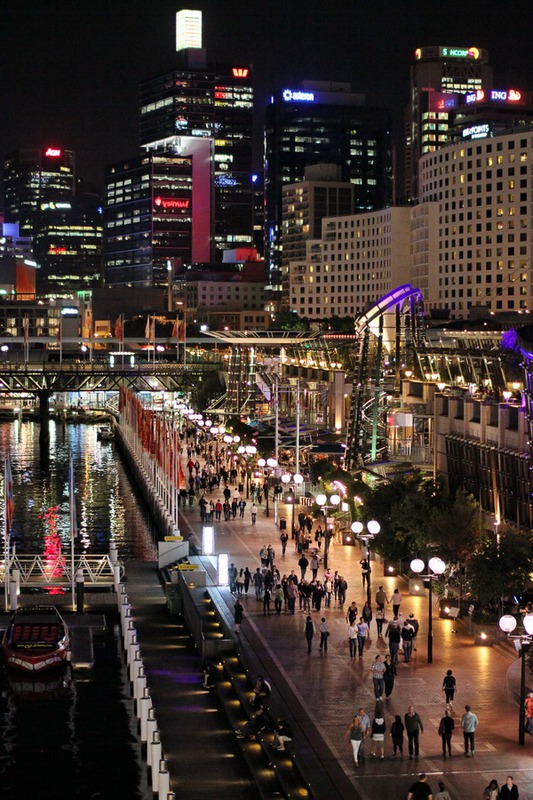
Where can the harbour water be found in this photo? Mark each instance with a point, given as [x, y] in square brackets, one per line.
[68, 736]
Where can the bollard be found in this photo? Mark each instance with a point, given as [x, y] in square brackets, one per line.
[15, 576]
[155, 759]
[127, 630]
[151, 728]
[143, 709]
[123, 600]
[113, 552]
[139, 685]
[13, 595]
[80, 589]
[171, 796]
[125, 614]
[116, 575]
[163, 784]
[133, 649]
[133, 667]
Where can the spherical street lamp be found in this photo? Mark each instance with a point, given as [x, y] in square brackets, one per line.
[436, 568]
[523, 641]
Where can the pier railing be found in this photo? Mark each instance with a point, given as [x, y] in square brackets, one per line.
[36, 571]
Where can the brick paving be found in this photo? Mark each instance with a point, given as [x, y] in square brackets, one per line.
[324, 690]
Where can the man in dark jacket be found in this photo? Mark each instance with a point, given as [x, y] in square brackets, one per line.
[413, 728]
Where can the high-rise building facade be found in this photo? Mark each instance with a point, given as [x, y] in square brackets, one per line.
[439, 78]
[148, 219]
[196, 100]
[322, 123]
[33, 177]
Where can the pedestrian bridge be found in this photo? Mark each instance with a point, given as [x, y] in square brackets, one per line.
[40, 571]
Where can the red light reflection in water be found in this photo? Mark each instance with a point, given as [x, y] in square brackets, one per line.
[53, 549]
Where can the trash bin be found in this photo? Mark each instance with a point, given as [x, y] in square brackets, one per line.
[282, 524]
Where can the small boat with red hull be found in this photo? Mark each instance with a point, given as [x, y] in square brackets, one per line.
[36, 640]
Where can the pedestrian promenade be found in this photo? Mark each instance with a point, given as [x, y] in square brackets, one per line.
[324, 690]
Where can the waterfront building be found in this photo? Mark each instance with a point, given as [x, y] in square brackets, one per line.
[321, 122]
[439, 78]
[490, 112]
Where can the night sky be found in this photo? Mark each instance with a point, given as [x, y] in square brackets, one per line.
[70, 69]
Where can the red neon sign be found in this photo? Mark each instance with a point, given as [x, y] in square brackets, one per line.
[240, 72]
[52, 152]
[171, 202]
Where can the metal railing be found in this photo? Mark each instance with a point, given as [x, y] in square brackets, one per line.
[37, 571]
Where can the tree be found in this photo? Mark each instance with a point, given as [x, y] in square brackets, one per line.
[290, 321]
[501, 568]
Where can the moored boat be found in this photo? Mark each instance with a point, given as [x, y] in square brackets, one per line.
[36, 640]
[105, 433]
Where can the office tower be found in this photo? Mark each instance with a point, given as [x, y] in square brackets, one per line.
[304, 205]
[33, 177]
[489, 113]
[17, 267]
[322, 123]
[196, 100]
[68, 245]
[148, 219]
[439, 76]
[484, 197]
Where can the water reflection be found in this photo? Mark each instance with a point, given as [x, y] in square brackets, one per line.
[106, 502]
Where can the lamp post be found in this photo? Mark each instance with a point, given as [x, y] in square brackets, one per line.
[373, 528]
[436, 567]
[522, 643]
[271, 463]
[323, 501]
[297, 479]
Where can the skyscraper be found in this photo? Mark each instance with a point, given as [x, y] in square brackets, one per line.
[322, 123]
[196, 100]
[439, 76]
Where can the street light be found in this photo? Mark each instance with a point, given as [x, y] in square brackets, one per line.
[436, 567]
[322, 501]
[522, 643]
[373, 528]
[297, 479]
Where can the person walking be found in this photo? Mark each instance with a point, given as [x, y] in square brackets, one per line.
[253, 512]
[278, 599]
[314, 564]
[303, 563]
[367, 615]
[414, 727]
[509, 790]
[393, 634]
[258, 583]
[388, 676]
[469, 723]
[365, 571]
[420, 790]
[232, 575]
[378, 736]
[267, 597]
[416, 627]
[449, 687]
[355, 734]
[352, 639]
[247, 580]
[239, 581]
[362, 632]
[446, 727]
[309, 630]
[528, 710]
[407, 633]
[238, 615]
[284, 538]
[396, 732]
[396, 600]
[364, 719]
[443, 793]
[377, 670]
[492, 791]
[380, 619]
[381, 598]
[324, 634]
[292, 594]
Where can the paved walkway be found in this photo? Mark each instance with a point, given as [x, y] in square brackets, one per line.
[326, 689]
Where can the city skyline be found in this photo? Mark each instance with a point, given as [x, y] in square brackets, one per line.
[71, 77]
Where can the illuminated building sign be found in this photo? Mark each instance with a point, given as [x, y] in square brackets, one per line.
[476, 132]
[171, 202]
[441, 101]
[460, 52]
[498, 95]
[240, 72]
[298, 96]
[52, 152]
